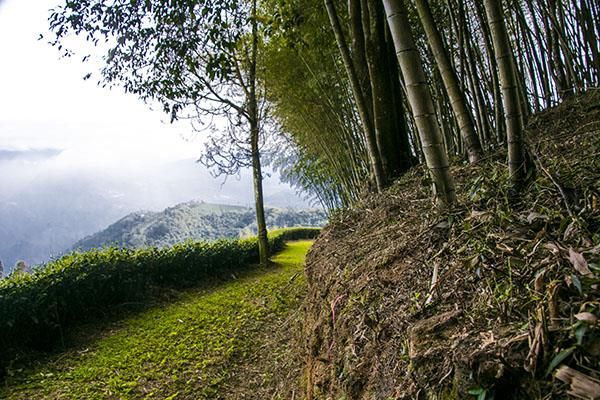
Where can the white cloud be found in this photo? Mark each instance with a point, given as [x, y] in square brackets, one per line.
[46, 103]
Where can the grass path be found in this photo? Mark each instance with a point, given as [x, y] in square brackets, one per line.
[194, 348]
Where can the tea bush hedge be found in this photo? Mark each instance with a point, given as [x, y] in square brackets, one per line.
[36, 308]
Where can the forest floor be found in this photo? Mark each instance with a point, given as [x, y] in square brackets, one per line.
[231, 341]
[496, 298]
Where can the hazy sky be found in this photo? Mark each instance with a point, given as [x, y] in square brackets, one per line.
[44, 103]
[52, 121]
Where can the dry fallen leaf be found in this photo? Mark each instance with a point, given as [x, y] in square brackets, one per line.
[477, 214]
[504, 248]
[532, 217]
[571, 231]
[595, 250]
[587, 317]
[579, 263]
[582, 385]
[553, 247]
[538, 283]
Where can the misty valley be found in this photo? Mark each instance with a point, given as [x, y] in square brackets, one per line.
[45, 208]
[192, 221]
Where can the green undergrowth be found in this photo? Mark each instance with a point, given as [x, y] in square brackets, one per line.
[185, 350]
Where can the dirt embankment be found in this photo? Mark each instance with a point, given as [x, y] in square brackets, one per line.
[498, 296]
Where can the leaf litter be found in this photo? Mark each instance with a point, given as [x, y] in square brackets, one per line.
[496, 297]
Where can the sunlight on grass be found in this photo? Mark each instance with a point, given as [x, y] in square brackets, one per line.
[182, 350]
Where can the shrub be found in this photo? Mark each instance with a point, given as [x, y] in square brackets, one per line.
[36, 308]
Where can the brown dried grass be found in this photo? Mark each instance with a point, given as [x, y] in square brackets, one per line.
[505, 275]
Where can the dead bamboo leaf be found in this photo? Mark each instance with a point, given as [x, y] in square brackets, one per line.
[581, 385]
[532, 217]
[504, 248]
[571, 231]
[579, 263]
[594, 250]
[553, 247]
[553, 289]
[434, 280]
[587, 317]
[477, 214]
[538, 283]
[474, 262]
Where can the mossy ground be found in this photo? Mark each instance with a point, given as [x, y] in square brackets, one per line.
[190, 349]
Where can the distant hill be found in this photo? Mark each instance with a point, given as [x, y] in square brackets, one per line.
[45, 207]
[194, 220]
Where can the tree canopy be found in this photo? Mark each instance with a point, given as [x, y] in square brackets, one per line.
[348, 110]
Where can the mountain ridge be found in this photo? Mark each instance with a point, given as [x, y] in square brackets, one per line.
[193, 220]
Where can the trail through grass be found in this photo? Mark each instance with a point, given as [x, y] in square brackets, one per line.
[190, 349]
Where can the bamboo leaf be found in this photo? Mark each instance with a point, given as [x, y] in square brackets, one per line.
[587, 317]
[560, 357]
[579, 263]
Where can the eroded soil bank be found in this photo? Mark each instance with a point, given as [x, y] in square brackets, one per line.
[496, 297]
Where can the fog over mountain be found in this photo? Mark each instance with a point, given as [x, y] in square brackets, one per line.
[29, 155]
[75, 157]
[46, 206]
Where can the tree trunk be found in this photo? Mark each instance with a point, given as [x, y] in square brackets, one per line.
[402, 140]
[451, 84]
[395, 156]
[358, 47]
[495, 84]
[420, 100]
[361, 104]
[254, 120]
[510, 95]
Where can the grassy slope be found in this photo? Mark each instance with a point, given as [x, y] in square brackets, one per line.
[189, 349]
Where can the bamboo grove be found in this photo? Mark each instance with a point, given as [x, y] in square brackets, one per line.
[343, 97]
[467, 75]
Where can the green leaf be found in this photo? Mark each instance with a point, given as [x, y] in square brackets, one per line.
[560, 357]
[580, 330]
[480, 392]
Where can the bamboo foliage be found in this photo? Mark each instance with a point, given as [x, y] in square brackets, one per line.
[324, 152]
[359, 97]
[481, 78]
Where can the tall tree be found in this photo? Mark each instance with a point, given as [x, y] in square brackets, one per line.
[254, 119]
[458, 101]
[420, 100]
[197, 58]
[510, 96]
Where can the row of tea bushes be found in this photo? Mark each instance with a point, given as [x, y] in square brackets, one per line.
[36, 308]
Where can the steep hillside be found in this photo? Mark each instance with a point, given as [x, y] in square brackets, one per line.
[496, 298]
[196, 221]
